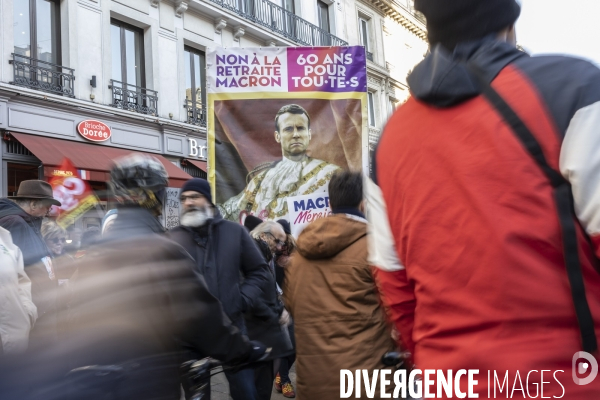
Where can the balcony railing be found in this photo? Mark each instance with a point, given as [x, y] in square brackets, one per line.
[42, 75]
[281, 21]
[196, 113]
[134, 98]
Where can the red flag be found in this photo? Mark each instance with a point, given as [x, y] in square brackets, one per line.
[74, 193]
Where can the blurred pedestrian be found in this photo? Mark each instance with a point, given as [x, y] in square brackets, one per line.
[55, 238]
[137, 302]
[90, 237]
[108, 220]
[226, 258]
[17, 311]
[22, 216]
[283, 383]
[270, 239]
[489, 181]
[332, 296]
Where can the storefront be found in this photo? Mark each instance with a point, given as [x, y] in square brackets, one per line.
[37, 136]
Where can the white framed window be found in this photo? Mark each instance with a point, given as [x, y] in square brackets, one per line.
[371, 108]
[323, 15]
[363, 25]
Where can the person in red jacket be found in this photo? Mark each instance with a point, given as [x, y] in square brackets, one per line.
[468, 227]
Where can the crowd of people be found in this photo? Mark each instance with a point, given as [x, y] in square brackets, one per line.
[481, 250]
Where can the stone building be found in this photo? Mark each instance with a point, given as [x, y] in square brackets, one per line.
[138, 66]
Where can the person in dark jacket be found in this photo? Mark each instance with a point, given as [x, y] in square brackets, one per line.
[270, 238]
[22, 216]
[137, 301]
[283, 383]
[227, 259]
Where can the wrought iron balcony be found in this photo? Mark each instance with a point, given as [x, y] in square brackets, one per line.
[196, 113]
[42, 75]
[281, 21]
[134, 98]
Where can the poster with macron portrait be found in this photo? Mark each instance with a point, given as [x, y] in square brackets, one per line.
[281, 122]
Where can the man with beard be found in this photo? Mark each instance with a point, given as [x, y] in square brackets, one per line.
[136, 302]
[226, 257]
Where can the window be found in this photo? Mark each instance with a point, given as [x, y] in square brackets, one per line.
[127, 54]
[323, 14]
[36, 28]
[289, 5]
[371, 108]
[195, 84]
[363, 25]
[128, 83]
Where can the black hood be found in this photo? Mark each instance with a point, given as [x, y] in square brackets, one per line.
[8, 207]
[442, 78]
[132, 222]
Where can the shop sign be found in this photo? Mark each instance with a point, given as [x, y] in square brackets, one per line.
[94, 130]
[197, 148]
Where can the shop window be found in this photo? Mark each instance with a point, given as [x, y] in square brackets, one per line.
[128, 71]
[17, 173]
[193, 171]
[195, 86]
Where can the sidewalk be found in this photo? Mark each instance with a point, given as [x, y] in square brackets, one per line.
[220, 387]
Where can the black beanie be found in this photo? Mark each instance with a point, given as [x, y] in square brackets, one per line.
[450, 22]
[198, 185]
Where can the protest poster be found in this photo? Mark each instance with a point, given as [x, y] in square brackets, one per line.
[172, 208]
[305, 209]
[74, 193]
[281, 121]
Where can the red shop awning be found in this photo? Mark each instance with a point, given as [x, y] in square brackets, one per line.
[96, 159]
[198, 164]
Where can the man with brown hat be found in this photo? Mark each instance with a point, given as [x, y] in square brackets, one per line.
[22, 216]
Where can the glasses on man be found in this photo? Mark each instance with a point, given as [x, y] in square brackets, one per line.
[192, 197]
[58, 240]
[277, 241]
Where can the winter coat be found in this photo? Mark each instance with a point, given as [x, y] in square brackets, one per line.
[479, 280]
[25, 231]
[232, 267]
[136, 299]
[331, 294]
[268, 330]
[17, 311]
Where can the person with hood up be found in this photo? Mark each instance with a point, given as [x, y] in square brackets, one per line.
[331, 294]
[22, 216]
[488, 184]
[227, 259]
[138, 306]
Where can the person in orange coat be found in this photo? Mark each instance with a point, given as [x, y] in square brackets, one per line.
[331, 294]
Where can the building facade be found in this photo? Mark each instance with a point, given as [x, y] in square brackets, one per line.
[138, 67]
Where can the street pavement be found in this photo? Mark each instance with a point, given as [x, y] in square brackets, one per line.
[220, 387]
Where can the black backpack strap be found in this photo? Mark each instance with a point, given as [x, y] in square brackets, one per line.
[564, 202]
